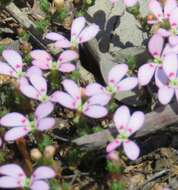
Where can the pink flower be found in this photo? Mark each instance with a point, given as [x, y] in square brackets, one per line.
[44, 60]
[35, 88]
[80, 33]
[21, 125]
[169, 82]
[168, 19]
[72, 99]
[154, 67]
[13, 176]
[126, 126]
[14, 65]
[116, 82]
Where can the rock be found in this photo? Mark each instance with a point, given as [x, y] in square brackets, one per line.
[119, 38]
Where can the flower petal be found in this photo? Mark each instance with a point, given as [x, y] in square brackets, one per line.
[77, 26]
[40, 55]
[165, 94]
[99, 99]
[16, 133]
[170, 65]
[155, 45]
[136, 122]
[71, 87]
[6, 70]
[113, 145]
[173, 40]
[46, 123]
[54, 36]
[64, 99]
[131, 150]
[14, 119]
[29, 91]
[12, 170]
[94, 111]
[160, 77]
[66, 67]
[127, 84]
[117, 73]
[43, 172]
[145, 73]
[39, 83]
[88, 33]
[121, 118]
[33, 70]
[44, 110]
[155, 7]
[163, 32]
[67, 56]
[39, 185]
[173, 19]
[93, 89]
[13, 58]
[65, 43]
[9, 182]
[170, 5]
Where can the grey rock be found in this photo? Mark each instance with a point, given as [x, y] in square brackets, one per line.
[120, 37]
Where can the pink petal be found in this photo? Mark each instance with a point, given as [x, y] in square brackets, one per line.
[6, 70]
[44, 110]
[88, 33]
[155, 7]
[121, 118]
[68, 56]
[93, 89]
[64, 99]
[66, 67]
[54, 36]
[13, 58]
[155, 45]
[45, 65]
[40, 55]
[113, 155]
[170, 5]
[160, 77]
[12, 170]
[131, 150]
[39, 83]
[165, 94]
[136, 122]
[39, 185]
[145, 73]
[33, 70]
[173, 19]
[71, 87]
[9, 182]
[163, 32]
[170, 65]
[43, 172]
[130, 3]
[127, 84]
[113, 145]
[94, 111]
[117, 73]
[77, 26]
[29, 91]
[173, 40]
[46, 123]
[65, 43]
[16, 133]
[99, 99]
[14, 119]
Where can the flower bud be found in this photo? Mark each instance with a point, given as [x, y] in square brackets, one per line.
[35, 154]
[59, 4]
[49, 151]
